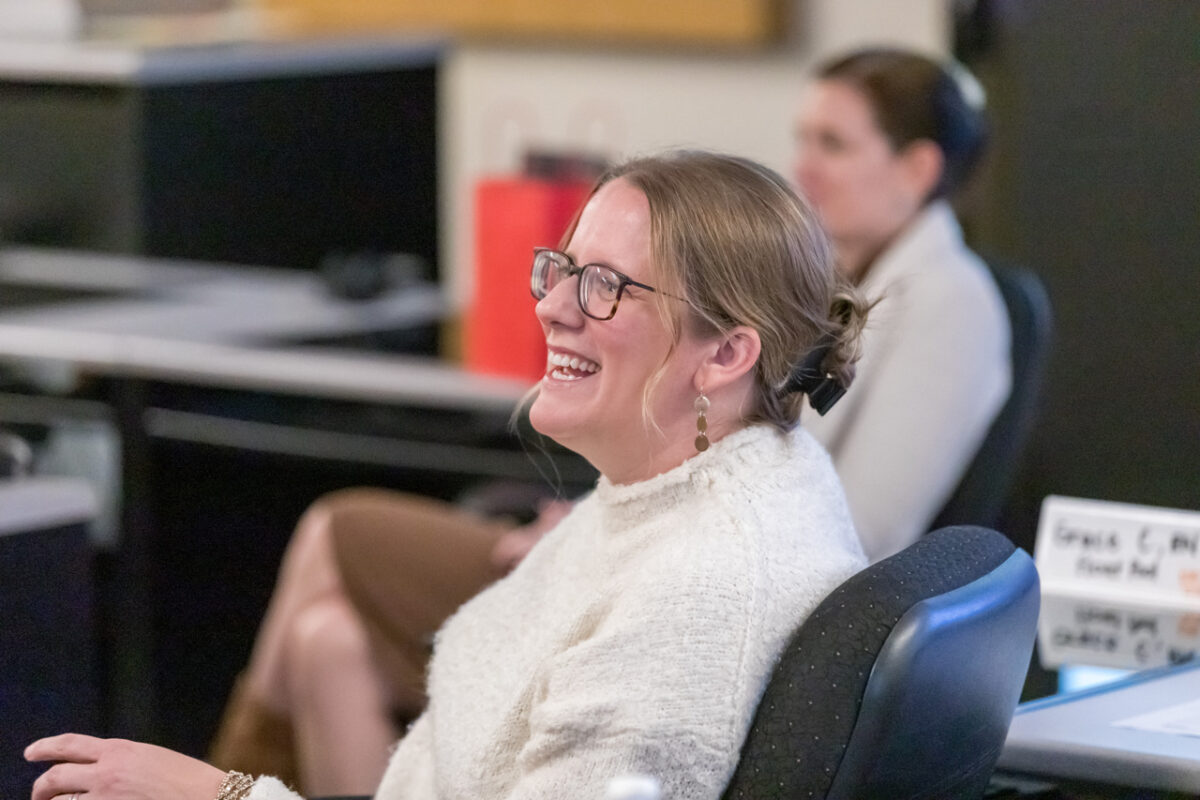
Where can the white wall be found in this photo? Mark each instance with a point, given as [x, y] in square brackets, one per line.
[496, 100]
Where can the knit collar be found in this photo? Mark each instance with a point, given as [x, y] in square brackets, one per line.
[645, 497]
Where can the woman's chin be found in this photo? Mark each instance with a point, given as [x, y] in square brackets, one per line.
[549, 416]
[566, 417]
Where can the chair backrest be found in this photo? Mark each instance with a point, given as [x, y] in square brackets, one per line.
[979, 497]
[903, 682]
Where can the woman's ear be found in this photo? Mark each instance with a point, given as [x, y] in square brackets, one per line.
[923, 164]
[731, 356]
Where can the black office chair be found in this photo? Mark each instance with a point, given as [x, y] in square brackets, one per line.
[980, 495]
[903, 682]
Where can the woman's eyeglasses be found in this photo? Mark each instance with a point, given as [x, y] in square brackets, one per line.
[599, 290]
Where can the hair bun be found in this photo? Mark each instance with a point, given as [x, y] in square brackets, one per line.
[810, 377]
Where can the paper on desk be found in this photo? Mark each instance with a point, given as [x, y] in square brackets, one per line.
[1182, 719]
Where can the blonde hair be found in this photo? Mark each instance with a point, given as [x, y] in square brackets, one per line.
[732, 238]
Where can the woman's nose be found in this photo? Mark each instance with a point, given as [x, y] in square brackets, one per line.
[560, 304]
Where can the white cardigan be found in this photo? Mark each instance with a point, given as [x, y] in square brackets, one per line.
[934, 374]
[636, 637]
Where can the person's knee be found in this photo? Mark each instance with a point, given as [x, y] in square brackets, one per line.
[308, 561]
[325, 638]
[310, 567]
[322, 514]
[318, 526]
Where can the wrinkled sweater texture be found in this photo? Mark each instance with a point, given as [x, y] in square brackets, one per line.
[636, 637]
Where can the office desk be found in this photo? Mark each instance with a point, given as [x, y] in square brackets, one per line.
[227, 394]
[1098, 662]
[1103, 734]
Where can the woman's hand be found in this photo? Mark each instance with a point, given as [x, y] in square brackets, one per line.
[116, 769]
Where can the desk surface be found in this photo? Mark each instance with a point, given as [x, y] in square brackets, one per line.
[228, 327]
[1083, 736]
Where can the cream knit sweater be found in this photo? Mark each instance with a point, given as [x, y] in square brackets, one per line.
[636, 637]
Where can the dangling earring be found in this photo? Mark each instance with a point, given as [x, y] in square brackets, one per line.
[701, 406]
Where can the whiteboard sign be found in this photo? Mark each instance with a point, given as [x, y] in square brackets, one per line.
[1119, 551]
[1074, 630]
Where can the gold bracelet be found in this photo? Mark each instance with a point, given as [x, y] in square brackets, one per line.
[236, 786]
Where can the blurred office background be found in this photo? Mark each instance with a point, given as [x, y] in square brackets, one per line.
[1093, 183]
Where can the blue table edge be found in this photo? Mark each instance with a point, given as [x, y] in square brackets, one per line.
[1139, 677]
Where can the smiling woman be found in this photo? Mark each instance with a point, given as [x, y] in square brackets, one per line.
[633, 236]
[371, 574]
[597, 412]
[716, 526]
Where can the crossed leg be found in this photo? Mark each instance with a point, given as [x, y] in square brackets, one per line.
[367, 579]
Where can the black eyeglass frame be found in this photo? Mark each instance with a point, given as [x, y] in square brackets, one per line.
[573, 270]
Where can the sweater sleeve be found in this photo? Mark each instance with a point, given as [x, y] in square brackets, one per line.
[267, 788]
[410, 769]
[657, 688]
[942, 382]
